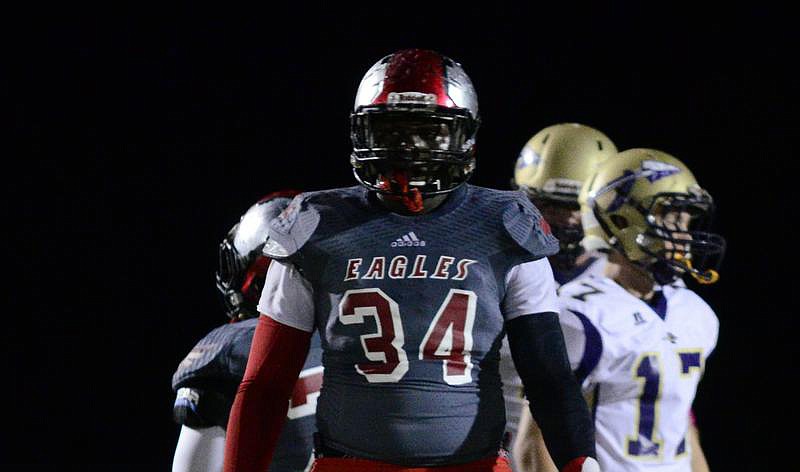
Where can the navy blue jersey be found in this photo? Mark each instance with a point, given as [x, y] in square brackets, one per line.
[410, 310]
[207, 379]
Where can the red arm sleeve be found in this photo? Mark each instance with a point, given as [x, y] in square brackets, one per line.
[276, 357]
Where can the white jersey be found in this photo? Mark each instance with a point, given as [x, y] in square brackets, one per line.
[639, 366]
[513, 392]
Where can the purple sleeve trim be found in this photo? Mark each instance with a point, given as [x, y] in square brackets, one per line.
[592, 349]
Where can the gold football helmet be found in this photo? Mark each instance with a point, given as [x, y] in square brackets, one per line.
[648, 205]
[556, 161]
[551, 169]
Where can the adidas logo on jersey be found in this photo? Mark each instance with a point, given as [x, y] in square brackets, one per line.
[408, 240]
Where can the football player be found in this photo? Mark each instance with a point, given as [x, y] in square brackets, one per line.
[637, 338]
[412, 279]
[551, 168]
[206, 380]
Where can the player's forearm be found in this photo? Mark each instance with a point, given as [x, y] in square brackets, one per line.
[530, 453]
[259, 410]
[537, 346]
[253, 428]
[522, 449]
[699, 463]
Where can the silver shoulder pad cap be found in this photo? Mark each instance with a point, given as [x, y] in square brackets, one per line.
[274, 250]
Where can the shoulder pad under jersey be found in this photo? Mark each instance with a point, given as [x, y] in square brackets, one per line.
[528, 228]
[253, 226]
[291, 229]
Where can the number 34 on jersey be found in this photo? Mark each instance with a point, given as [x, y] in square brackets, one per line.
[448, 339]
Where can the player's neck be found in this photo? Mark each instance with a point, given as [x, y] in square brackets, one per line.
[633, 278]
[396, 205]
[582, 259]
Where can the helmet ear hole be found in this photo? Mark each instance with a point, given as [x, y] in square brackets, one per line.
[619, 221]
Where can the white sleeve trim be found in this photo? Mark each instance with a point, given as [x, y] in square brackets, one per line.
[530, 288]
[287, 297]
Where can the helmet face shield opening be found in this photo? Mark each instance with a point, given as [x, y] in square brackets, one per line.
[229, 277]
[432, 146]
[410, 130]
[240, 280]
[564, 219]
[431, 133]
[678, 234]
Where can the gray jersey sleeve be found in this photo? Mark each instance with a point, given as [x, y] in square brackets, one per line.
[526, 226]
[288, 297]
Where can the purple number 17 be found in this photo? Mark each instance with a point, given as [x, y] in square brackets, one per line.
[644, 442]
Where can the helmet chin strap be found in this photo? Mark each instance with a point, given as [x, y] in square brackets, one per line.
[410, 198]
[665, 274]
[708, 277]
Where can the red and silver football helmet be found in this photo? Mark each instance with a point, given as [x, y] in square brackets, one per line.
[413, 125]
[242, 266]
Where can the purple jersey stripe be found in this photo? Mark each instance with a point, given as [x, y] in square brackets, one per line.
[592, 349]
[659, 304]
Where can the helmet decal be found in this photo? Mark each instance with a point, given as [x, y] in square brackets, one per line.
[655, 170]
[414, 74]
[623, 186]
[528, 157]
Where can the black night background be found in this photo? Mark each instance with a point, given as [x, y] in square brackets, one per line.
[140, 137]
